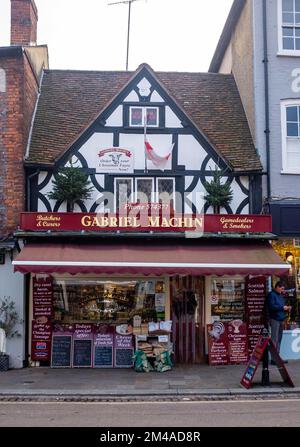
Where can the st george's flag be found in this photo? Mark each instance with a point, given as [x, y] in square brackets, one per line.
[158, 160]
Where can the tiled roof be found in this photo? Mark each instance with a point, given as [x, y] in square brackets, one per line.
[71, 100]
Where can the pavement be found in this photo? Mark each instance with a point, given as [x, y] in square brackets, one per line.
[182, 380]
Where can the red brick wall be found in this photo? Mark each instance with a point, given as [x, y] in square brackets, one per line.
[23, 22]
[18, 103]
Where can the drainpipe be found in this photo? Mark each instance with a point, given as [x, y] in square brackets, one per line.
[267, 111]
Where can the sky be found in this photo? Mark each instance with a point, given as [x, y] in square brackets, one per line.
[169, 35]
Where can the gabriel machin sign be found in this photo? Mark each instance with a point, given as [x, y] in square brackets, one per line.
[116, 160]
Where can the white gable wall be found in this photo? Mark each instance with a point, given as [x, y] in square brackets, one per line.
[190, 153]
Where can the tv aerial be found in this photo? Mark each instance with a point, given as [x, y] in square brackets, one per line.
[126, 2]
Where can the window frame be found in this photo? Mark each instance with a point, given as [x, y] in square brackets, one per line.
[115, 188]
[143, 116]
[136, 190]
[281, 50]
[154, 193]
[156, 185]
[284, 137]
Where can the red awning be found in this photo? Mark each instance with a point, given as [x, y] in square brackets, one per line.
[151, 257]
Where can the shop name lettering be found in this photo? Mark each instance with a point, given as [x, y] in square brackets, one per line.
[88, 221]
[237, 223]
[135, 222]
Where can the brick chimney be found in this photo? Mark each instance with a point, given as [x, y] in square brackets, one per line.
[24, 17]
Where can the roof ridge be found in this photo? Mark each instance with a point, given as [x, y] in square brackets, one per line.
[195, 73]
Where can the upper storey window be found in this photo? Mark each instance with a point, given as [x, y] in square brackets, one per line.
[138, 115]
[290, 124]
[289, 16]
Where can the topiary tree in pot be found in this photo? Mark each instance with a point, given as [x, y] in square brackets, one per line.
[9, 319]
[218, 194]
[71, 184]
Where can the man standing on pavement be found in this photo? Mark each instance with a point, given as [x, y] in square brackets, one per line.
[277, 310]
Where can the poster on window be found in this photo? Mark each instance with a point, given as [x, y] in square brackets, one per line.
[255, 296]
[41, 341]
[237, 342]
[217, 343]
[42, 296]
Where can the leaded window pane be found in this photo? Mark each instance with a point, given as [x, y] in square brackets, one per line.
[144, 189]
[165, 190]
[123, 192]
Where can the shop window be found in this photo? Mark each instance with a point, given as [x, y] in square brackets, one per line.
[290, 121]
[290, 253]
[289, 26]
[227, 299]
[137, 116]
[109, 300]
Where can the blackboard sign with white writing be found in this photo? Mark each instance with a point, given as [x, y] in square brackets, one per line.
[123, 358]
[61, 351]
[103, 357]
[82, 353]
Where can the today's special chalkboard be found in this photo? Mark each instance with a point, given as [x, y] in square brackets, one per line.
[61, 351]
[82, 353]
[103, 357]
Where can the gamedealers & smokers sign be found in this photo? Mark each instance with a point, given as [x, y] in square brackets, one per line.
[144, 222]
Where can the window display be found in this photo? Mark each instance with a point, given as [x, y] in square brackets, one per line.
[227, 299]
[114, 300]
[289, 250]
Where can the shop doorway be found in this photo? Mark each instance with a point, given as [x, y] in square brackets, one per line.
[188, 315]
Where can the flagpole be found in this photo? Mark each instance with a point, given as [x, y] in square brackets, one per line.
[145, 138]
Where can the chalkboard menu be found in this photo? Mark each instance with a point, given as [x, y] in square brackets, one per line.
[123, 351]
[103, 357]
[61, 351]
[123, 358]
[82, 353]
[103, 346]
[254, 360]
[257, 356]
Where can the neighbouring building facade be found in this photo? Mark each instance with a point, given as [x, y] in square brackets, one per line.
[21, 65]
[260, 47]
